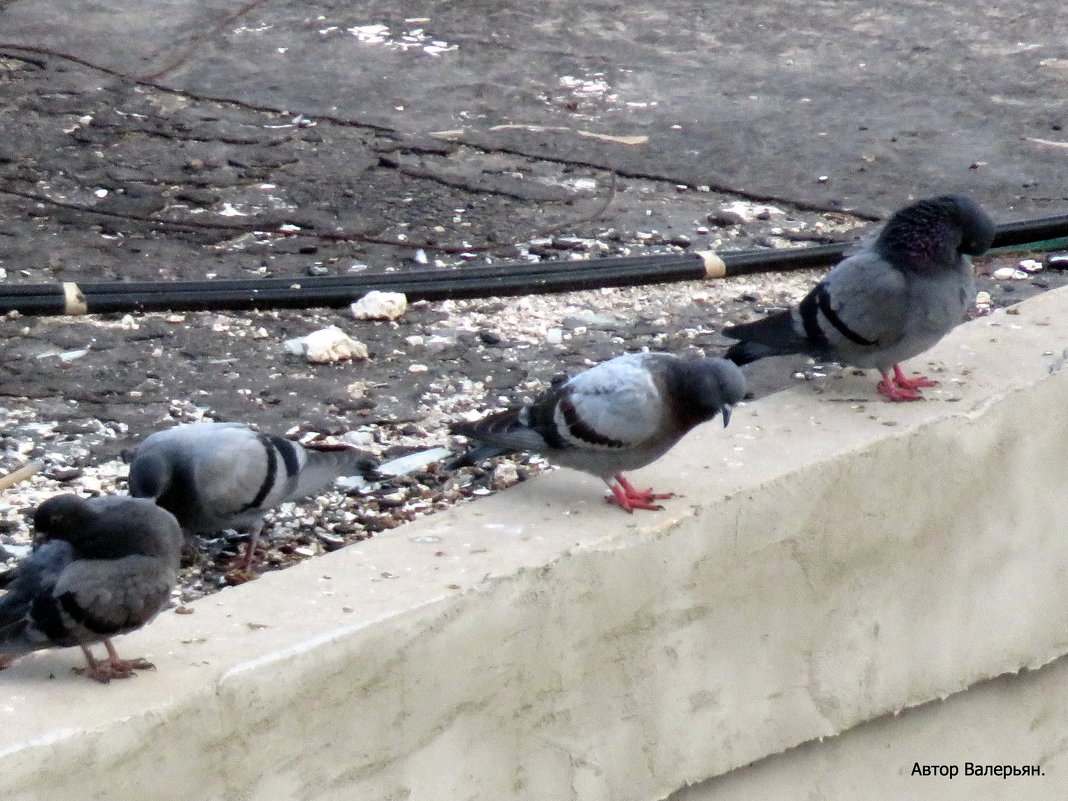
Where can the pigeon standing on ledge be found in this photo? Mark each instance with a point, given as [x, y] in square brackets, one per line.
[620, 415]
[889, 302]
[216, 476]
[101, 567]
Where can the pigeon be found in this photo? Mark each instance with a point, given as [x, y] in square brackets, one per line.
[101, 567]
[620, 415]
[217, 476]
[888, 302]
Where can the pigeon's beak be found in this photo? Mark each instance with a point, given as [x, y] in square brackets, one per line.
[726, 412]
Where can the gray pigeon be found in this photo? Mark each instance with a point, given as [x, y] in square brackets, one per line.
[620, 415]
[888, 302]
[216, 476]
[101, 567]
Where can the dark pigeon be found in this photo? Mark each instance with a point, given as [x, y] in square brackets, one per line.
[101, 567]
[889, 302]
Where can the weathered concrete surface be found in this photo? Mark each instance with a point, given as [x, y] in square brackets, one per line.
[832, 558]
[1016, 720]
[760, 98]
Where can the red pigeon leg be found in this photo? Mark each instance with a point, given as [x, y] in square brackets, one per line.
[888, 387]
[123, 668]
[905, 382]
[628, 498]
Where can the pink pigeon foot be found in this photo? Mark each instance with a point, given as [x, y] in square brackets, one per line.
[628, 498]
[241, 569]
[905, 382]
[899, 387]
[111, 667]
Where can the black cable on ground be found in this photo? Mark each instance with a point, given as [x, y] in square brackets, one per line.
[513, 278]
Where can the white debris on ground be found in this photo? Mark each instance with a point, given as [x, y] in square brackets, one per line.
[377, 305]
[329, 344]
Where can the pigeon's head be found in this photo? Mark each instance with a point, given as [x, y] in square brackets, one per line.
[61, 517]
[935, 232]
[721, 384]
[976, 227]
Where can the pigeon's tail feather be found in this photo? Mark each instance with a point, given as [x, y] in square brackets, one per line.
[475, 455]
[324, 463]
[745, 352]
[773, 335]
[507, 430]
[29, 596]
[14, 619]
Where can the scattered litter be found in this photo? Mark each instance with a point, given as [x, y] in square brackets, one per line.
[377, 305]
[329, 344]
[15, 551]
[619, 140]
[350, 483]
[66, 355]
[1030, 265]
[596, 85]
[505, 474]
[1010, 274]
[413, 462]
[752, 211]
[415, 38]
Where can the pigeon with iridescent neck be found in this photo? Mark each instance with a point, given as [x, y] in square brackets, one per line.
[889, 302]
[620, 415]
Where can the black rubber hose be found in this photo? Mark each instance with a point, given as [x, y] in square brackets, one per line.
[513, 278]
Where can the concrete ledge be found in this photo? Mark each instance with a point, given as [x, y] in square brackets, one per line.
[1017, 720]
[833, 558]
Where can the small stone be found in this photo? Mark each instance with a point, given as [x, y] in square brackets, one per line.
[554, 336]
[725, 219]
[63, 474]
[361, 439]
[505, 475]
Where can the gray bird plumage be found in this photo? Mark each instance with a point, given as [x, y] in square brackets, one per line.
[620, 415]
[101, 567]
[216, 476]
[889, 302]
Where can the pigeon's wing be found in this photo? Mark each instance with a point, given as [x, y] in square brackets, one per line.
[617, 404]
[105, 597]
[861, 303]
